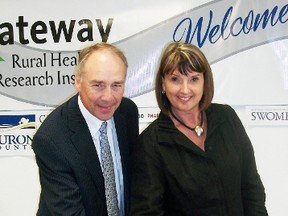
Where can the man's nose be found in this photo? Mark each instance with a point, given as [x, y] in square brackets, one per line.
[107, 93]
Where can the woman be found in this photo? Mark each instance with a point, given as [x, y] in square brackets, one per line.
[196, 158]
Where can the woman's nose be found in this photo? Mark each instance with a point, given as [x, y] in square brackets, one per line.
[184, 87]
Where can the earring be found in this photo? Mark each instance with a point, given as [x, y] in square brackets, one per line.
[163, 92]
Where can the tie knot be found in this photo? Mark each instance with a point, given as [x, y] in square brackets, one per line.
[103, 128]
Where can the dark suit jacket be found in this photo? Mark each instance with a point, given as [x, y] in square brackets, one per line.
[69, 169]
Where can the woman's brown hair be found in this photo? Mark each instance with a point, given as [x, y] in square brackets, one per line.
[184, 57]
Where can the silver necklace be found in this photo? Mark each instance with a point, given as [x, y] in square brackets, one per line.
[198, 129]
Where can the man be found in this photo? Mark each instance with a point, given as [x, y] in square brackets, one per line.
[68, 145]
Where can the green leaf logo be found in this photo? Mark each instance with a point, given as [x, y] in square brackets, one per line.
[1, 59]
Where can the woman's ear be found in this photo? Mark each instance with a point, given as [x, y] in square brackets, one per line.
[163, 86]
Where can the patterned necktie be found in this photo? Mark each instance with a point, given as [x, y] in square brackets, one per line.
[108, 172]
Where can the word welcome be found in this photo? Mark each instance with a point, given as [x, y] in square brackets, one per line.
[62, 30]
[228, 27]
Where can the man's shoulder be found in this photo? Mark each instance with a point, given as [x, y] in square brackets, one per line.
[127, 102]
[127, 105]
[57, 116]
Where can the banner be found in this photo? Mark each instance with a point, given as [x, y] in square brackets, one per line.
[244, 41]
[267, 116]
[17, 129]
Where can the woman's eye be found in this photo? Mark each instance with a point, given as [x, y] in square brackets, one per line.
[174, 79]
[194, 79]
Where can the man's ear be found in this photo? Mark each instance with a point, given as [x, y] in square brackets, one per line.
[77, 83]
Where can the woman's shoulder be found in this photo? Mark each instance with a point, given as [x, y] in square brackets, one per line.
[220, 108]
[162, 121]
[221, 112]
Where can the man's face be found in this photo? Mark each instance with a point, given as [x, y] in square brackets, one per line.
[101, 85]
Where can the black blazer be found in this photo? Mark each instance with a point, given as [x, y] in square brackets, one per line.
[69, 169]
[173, 176]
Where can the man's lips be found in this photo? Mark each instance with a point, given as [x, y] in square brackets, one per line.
[105, 108]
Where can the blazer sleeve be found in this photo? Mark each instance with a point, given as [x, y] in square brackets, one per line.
[147, 178]
[253, 193]
[60, 193]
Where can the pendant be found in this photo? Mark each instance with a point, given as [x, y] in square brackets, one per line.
[198, 130]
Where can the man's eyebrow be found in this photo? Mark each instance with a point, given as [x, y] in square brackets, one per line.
[98, 81]
[120, 82]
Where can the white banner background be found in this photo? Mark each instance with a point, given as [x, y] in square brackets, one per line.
[250, 73]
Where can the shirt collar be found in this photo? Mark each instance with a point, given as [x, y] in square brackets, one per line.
[93, 122]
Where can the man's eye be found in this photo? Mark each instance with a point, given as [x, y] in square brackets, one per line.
[98, 85]
[117, 86]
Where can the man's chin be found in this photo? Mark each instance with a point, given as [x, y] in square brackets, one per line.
[105, 115]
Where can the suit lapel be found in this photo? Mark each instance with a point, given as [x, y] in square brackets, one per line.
[121, 128]
[83, 142]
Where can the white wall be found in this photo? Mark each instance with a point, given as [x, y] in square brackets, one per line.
[271, 152]
[19, 183]
[19, 186]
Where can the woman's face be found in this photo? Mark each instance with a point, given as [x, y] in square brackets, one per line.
[184, 92]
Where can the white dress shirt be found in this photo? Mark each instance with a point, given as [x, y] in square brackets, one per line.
[94, 125]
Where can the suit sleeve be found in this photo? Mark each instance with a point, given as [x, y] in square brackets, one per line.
[253, 193]
[60, 193]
